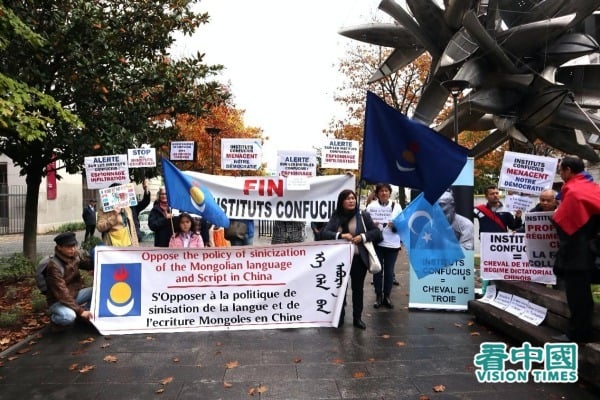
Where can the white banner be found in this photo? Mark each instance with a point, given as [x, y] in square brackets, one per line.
[299, 163]
[182, 151]
[527, 173]
[143, 290]
[337, 153]
[542, 243]
[504, 257]
[262, 197]
[241, 154]
[103, 171]
[142, 157]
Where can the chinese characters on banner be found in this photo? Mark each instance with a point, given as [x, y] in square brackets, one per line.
[235, 288]
[338, 153]
[241, 154]
[102, 171]
[527, 173]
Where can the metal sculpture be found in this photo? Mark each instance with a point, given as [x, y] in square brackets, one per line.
[512, 54]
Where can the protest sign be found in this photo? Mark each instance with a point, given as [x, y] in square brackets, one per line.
[527, 173]
[338, 153]
[142, 290]
[118, 196]
[299, 163]
[103, 171]
[241, 154]
[504, 257]
[141, 158]
[183, 151]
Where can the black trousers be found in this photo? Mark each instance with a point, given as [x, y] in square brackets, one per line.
[581, 304]
[89, 231]
[358, 272]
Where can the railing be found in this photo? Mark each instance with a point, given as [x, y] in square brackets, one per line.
[265, 228]
[12, 209]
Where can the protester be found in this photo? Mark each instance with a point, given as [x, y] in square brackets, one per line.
[141, 206]
[66, 296]
[288, 232]
[577, 222]
[492, 217]
[160, 219]
[240, 232]
[186, 234]
[462, 226]
[89, 219]
[345, 225]
[117, 227]
[316, 227]
[383, 211]
[547, 201]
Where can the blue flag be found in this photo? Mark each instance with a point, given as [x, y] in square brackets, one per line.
[428, 236]
[187, 194]
[406, 153]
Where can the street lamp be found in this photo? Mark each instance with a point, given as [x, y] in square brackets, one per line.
[455, 87]
[212, 132]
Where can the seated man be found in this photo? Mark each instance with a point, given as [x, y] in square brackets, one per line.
[66, 296]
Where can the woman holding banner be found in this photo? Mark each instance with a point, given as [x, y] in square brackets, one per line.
[349, 223]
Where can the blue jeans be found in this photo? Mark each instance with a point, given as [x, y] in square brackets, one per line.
[63, 315]
[384, 280]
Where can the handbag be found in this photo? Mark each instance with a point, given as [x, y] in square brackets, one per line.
[374, 264]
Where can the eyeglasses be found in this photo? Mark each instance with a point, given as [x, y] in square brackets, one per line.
[162, 194]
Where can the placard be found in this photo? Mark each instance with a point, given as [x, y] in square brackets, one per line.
[103, 171]
[241, 154]
[183, 151]
[527, 173]
[339, 153]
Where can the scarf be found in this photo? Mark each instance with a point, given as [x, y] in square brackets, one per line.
[580, 201]
[345, 217]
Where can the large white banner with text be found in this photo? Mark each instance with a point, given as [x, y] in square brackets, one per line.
[263, 197]
[141, 290]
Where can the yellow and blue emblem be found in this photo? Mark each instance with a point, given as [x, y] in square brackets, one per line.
[120, 290]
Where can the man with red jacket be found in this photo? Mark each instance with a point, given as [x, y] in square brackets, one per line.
[577, 222]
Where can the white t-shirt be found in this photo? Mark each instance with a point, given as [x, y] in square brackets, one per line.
[382, 215]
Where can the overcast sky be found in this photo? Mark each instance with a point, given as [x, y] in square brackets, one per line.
[281, 60]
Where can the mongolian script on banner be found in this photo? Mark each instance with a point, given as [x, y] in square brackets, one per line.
[182, 151]
[141, 290]
[103, 171]
[338, 153]
[241, 154]
[504, 257]
[141, 158]
[262, 197]
[527, 173]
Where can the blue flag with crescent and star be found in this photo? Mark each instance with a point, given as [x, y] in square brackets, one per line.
[187, 194]
[428, 237]
[406, 153]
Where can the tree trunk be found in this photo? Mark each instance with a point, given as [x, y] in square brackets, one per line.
[34, 179]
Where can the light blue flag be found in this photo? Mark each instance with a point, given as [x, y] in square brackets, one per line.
[187, 194]
[428, 236]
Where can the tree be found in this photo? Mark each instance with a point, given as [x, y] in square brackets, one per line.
[231, 123]
[108, 62]
[401, 90]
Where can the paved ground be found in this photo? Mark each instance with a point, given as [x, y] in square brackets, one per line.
[401, 355]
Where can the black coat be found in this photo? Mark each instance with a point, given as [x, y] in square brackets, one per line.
[161, 226]
[575, 251]
[371, 231]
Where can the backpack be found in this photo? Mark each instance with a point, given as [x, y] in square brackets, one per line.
[40, 272]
